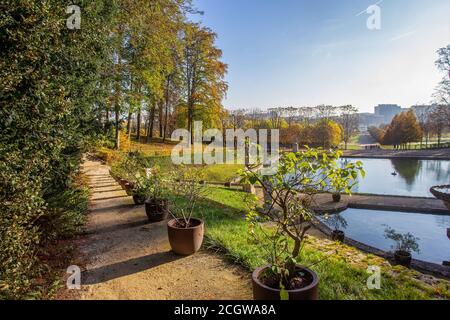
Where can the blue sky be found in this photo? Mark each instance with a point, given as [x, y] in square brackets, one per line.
[310, 52]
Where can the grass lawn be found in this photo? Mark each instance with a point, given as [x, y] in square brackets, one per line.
[342, 276]
[160, 154]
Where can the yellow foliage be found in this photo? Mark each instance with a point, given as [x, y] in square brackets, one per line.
[125, 143]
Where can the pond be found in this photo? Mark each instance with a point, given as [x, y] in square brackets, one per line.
[368, 226]
[412, 178]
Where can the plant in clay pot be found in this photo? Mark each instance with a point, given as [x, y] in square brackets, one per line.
[288, 211]
[156, 203]
[141, 189]
[405, 244]
[347, 180]
[186, 231]
[337, 223]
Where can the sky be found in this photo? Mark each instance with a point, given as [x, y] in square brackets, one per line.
[311, 52]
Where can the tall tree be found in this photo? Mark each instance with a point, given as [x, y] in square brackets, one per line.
[442, 93]
[203, 76]
[349, 120]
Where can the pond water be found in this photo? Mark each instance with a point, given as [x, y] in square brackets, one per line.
[368, 226]
[413, 177]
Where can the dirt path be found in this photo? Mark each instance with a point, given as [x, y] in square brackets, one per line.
[128, 258]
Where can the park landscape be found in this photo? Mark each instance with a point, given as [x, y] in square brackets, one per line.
[353, 211]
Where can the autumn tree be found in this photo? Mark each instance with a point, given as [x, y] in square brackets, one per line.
[403, 129]
[377, 134]
[203, 85]
[327, 134]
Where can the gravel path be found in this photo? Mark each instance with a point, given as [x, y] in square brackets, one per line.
[128, 258]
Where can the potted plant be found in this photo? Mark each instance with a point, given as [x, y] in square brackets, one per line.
[337, 221]
[348, 179]
[156, 204]
[141, 190]
[185, 231]
[288, 209]
[405, 244]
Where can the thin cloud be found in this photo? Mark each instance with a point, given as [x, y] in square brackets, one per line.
[403, 35]
[365, 10]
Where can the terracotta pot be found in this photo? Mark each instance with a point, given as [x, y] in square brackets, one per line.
[338, 235]
[157, 210]
[264, 292]
[138, 200]
[336, 197]
[186, 241]
[403, 258]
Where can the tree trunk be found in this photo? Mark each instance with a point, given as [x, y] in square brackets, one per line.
[160, 118]
[106, 126]
[129, 123]
[150, 124]
[166, 111]
[117, 137]
[138, 126]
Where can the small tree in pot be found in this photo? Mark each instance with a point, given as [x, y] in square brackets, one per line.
[405, 244]
[337, 222]
[288, 207]
[347, 179]
[156, 203]
[186, 232]
[141, 189]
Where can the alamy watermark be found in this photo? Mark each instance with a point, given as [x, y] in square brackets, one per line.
[74, 280]
[374, 280]
[73, 22]
[373, 22]
[235, 146]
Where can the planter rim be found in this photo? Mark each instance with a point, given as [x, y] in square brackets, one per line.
[439, 194]
[152, 200]
[314, 282]
[171, 223]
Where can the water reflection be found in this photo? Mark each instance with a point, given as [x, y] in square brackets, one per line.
[407, 169]
[369, 226]
[413, 177]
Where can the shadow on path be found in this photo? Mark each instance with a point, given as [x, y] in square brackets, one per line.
[125, 268]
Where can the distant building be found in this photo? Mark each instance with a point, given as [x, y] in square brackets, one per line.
[422, 111]
[367, 120]
[388, 111]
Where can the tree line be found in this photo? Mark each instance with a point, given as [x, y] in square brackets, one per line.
[321, 126]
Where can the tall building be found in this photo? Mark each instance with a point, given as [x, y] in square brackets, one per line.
[367, 120]
[388, 111]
